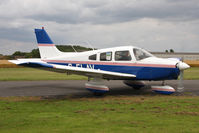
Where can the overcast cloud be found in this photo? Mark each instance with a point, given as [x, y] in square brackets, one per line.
[155, 25]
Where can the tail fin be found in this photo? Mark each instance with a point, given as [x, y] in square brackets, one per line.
[46, 46]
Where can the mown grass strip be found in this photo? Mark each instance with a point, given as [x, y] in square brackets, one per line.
[30, 74]
[192, 73]
[108, 114]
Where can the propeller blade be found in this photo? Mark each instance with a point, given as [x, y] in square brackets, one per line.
[180, 87]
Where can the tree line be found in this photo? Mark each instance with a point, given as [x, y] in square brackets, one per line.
[35, 52]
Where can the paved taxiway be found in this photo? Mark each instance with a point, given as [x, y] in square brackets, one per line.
[76, 88]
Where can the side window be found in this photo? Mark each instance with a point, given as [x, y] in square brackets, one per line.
[106, 56]
[93, 57]
[122, 56]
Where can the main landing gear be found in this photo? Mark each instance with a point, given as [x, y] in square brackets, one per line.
[96, 86]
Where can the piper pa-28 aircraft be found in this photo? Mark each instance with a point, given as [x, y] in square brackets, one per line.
[131, 64]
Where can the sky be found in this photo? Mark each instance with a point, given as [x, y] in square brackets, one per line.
[155, 25]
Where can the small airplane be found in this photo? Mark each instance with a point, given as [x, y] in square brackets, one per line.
[131, 64]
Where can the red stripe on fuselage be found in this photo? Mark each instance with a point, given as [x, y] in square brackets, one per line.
[110, 63]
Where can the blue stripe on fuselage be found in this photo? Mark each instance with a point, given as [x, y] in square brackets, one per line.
[141, 72]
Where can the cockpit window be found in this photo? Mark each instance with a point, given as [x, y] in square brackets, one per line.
[122, 56]
[141, 54]
[106, 56]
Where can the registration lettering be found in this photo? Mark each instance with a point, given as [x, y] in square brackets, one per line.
[90, 66]
[70, 64]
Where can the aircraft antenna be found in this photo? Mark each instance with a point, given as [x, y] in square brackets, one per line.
[89, 45]
[73, 48]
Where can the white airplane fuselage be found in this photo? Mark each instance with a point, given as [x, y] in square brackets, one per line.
[150, 68]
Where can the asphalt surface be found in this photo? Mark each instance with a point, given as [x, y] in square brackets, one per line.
[76, 88]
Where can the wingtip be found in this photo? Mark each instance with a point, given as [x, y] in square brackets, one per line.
[14, 61]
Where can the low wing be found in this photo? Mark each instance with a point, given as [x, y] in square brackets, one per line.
[37, 63]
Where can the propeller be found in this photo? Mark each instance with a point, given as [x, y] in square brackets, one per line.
[182, 66]
[180, 86]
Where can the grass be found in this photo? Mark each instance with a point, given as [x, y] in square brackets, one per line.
[138, 114]
[14, 74]
[192, 73]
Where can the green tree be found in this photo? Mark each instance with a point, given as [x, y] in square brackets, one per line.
[171, 51]
[35, 53]
[18, 53]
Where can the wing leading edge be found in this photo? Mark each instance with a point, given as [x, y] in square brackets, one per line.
[39, 64]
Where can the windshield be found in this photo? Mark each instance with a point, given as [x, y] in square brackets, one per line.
[141, 54]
